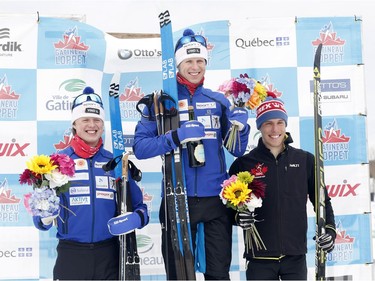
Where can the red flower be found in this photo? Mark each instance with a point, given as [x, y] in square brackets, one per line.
[28, 177]
[258, 187]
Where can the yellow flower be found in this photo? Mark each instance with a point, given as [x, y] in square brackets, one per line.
[236, 193]
[261, 90]
[245, 177]
[41, 164]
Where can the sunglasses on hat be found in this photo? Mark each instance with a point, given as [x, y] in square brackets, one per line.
[80, 99]
[190, 38]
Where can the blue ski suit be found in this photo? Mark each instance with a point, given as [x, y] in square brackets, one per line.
[203, 184]
[86, 248]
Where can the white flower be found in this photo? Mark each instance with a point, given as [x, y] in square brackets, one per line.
[56, 179]
[254, 202]
[43, 205]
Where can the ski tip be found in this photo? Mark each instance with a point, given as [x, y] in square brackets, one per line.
[116, 77]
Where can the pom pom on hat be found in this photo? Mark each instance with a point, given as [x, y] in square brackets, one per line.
[88, 90]
[88, 108]
[192, 49]
[270, 108]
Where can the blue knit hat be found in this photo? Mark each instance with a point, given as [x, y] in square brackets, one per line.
[271, 108]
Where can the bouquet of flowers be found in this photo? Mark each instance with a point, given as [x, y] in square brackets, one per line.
[243, 193]
[49, 176]
[242, 91]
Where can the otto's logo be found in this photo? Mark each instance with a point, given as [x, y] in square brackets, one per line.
[8, 100]
[13, 149]
[333, 46]
[335, 143]
[126, 54]
[259, 171]
[71, 51]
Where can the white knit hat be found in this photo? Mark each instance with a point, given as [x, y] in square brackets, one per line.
[192, 49]
[88, 108]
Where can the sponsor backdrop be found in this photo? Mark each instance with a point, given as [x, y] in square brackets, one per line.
[44, 64]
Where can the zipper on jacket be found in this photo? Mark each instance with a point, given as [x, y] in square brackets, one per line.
[65, 215]
[195, 169]
[278, 203]
[92, 180]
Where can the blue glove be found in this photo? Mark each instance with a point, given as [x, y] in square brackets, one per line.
[239, 117]
[124, 223]
[190, 131]
[326, 241]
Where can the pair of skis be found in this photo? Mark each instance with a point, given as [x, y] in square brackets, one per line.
[320, 221]
[129, 262]
[166, 110]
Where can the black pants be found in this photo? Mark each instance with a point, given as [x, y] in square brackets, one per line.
[218, 237]
[287, 268]
[81, 261]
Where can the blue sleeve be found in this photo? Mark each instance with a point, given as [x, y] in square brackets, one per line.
[137, 201]
[147, 143]
[39, 225]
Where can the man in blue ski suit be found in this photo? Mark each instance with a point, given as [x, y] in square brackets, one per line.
[213, 121]
[87, 225]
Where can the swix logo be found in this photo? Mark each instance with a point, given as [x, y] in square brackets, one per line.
[342, 190]
[13, 149]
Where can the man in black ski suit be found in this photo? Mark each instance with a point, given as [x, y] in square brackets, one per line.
[288, 174]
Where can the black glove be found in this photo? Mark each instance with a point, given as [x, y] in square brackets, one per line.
[245, 219]
[326, 241]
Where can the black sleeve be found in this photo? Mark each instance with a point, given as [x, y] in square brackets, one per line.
[234, 168]
[330, 217]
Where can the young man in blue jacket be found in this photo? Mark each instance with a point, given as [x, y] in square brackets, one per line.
[213, 121]
[87, 225]
[289, 177]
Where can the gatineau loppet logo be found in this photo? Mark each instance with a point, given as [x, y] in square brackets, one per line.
[333, 46]
[9, 203]
[65, 142]
[344, 246]
[70, 50]
[335, 143]
[129, 98]
[8, 100]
